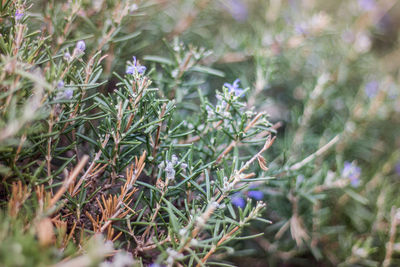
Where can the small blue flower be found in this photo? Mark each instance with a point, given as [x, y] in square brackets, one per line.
[68, 94]
[135, 67]
[371, 88]
[141, 69]
[234, 88]
[257, 195]
[238, 201]
[18, 14]
[130, 70]
[81, 46]
[352, 172]
[60, 84]
[67, 57]
[156, 265]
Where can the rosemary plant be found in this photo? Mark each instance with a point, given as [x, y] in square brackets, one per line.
[199, 133]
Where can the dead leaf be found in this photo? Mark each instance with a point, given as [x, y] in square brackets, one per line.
[262, 163]
[45, 232]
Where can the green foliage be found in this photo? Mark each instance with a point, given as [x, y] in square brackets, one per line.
[154, 175]
[166, 157]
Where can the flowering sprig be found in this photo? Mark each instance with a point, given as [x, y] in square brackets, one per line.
[81, 46]
[135, 67]
[238, 199]
[67, 57]
[234, 88]
[352, 172]
[169, 167]
[78, 51]
[19, 14]
[64, 93]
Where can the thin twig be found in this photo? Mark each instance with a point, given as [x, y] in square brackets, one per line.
[69, 181]
[317, 153]
[394, 214]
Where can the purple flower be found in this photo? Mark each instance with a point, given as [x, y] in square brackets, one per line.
[257, 195]
[238, 201]
[367, 5]
[67, 57]
[68, 94]
[141, 69]
[81, 46]
[237, 9]
[371, 88]
[352, 172]
[135, 67]
[234, 88]
[19, 14]
[60, 84]
[130, 70]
